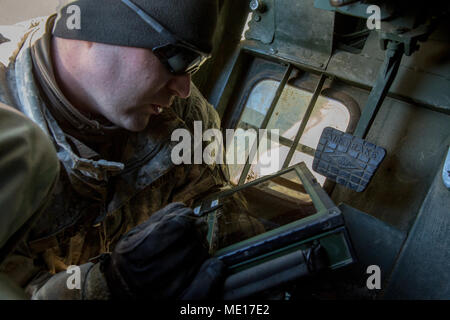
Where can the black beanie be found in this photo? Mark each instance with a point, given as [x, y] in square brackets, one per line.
[113, 22]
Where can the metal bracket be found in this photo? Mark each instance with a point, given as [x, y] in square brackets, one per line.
[262, 25]
[385, 78]
[406, 38]
[396, 44]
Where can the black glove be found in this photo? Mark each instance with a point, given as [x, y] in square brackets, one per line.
[163, 258]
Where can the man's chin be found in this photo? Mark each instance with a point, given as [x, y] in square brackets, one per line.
[137, 124]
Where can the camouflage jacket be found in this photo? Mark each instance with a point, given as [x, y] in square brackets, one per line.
[97, 200]
[29, 170]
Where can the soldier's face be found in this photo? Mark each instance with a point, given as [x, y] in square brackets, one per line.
[129, 85]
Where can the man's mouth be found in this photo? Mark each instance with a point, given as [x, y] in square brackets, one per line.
[157, 109]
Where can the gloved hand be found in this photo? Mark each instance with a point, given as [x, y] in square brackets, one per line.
[164, 258]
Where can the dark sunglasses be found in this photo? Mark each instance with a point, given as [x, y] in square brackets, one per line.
[178, 56]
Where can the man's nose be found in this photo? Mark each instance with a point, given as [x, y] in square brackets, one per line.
[181, 85]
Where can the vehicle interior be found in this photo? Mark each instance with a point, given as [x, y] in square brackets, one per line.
[314, 70]
[358, 93]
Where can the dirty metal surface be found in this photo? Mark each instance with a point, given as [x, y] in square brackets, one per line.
[262, 24]
[422, 270]
[303, 33]
[375, 242]
[414, 139]
[300, 33]
[356, 9]
[422, 77]
[346, 159]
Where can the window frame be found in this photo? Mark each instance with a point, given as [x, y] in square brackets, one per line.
[264, 68]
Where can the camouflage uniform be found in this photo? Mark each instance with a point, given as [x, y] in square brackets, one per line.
[96, 200]
[28, 170]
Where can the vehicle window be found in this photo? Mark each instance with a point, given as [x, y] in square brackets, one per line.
[287, 117]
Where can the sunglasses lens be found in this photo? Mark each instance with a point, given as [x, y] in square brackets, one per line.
[181, 60]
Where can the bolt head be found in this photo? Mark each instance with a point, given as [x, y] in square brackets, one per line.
[254, 4]
[257, 5]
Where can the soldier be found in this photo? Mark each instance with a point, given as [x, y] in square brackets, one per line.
[109, 92]
[29, 170]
